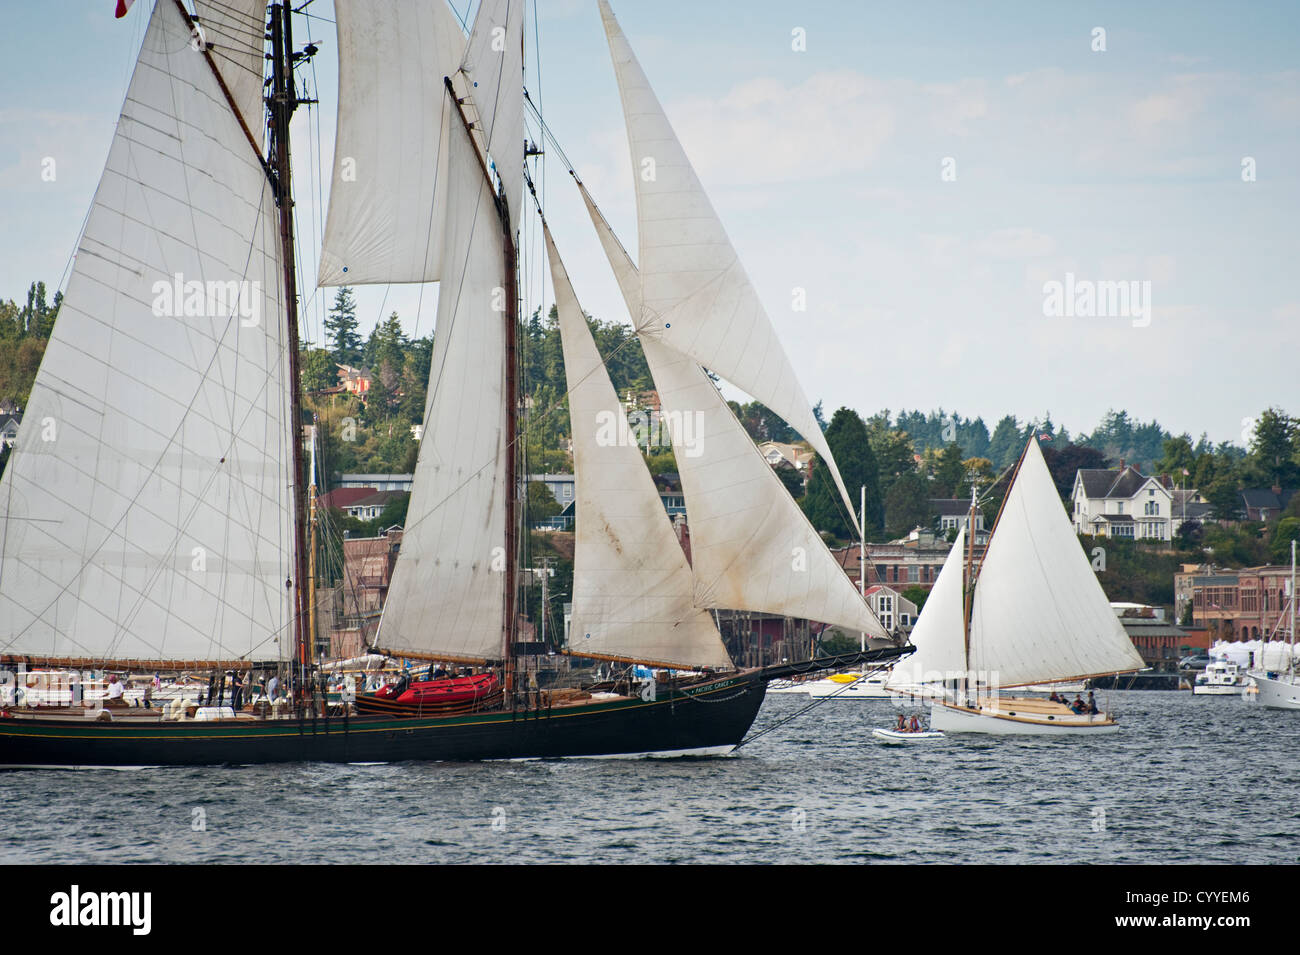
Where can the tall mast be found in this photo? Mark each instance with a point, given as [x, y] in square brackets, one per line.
[513, 446]
[968, 568]
[282, 103]
[862, 559]
[1290, 657]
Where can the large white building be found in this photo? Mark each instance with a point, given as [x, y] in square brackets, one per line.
[1122, 502]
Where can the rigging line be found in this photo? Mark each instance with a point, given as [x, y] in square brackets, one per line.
[546, 130]
[811, 706]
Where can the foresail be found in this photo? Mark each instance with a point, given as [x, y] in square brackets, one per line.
[447, 594]
[494, 62]
[696, 297]
[388, 191]
[752, 548]
[940, 634]
[1040, 615]
[235, 32]
[146, 513]
[632, 586]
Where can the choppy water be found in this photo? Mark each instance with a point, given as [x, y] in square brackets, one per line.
[1186, 780]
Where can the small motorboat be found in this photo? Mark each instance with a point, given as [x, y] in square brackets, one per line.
[903, 736]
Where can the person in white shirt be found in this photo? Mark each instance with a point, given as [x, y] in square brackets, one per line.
[114, 689]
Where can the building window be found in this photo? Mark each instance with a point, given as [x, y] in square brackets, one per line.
[1120, 505]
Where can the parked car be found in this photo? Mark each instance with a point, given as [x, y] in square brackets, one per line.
[1194, 661]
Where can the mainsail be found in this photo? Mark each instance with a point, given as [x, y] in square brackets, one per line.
[752, 548]
[632, 586]
[1039, 614]
[146, 513]
[940, 634]
[446, 596]
[695, 295]
[388, 191]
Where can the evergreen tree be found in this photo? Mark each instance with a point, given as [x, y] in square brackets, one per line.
[341, 329]
[847, 436]
[1004, 446]
[907, 504]
[1273, 449]
[318, 371]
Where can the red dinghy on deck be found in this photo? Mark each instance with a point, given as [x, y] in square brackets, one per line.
[430, 696]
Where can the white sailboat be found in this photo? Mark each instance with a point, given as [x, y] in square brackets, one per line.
[1281, 691]
[1032, 612]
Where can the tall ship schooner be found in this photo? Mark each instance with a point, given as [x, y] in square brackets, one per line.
[1031, 611]
[153, 513]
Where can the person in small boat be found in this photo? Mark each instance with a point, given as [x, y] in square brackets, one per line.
[440, 673]
[1078, 705]
[1092, 704]
[914, 726]
[901, 726]
[1056, 697]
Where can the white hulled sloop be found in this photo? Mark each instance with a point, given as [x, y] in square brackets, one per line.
[1039, 614]
[147, 510]
[632, 585]
[695, 295]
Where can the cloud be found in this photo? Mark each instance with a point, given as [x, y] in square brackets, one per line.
[1020, 242]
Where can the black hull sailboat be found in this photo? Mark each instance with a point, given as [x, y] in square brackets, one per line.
[706, 718]
[187, 541]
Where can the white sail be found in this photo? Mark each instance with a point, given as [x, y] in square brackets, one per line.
[632, 585]
[388, 191]
[447, 595]
[146, 512]
[494, 62]
[235, 32]
[1040, 616]
[940, 634]
[696, 297]
[752, 548]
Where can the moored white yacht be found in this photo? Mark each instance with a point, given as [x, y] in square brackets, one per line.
[1281, 690]
[1221, 678]
[851, 686]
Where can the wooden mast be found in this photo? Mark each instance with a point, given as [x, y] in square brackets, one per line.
[282, 103]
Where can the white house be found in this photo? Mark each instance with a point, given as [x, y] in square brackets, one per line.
[954, 513]
[1121, 502]
[892, 609]
[9, 422]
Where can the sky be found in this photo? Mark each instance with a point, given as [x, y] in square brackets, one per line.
[923, 172]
